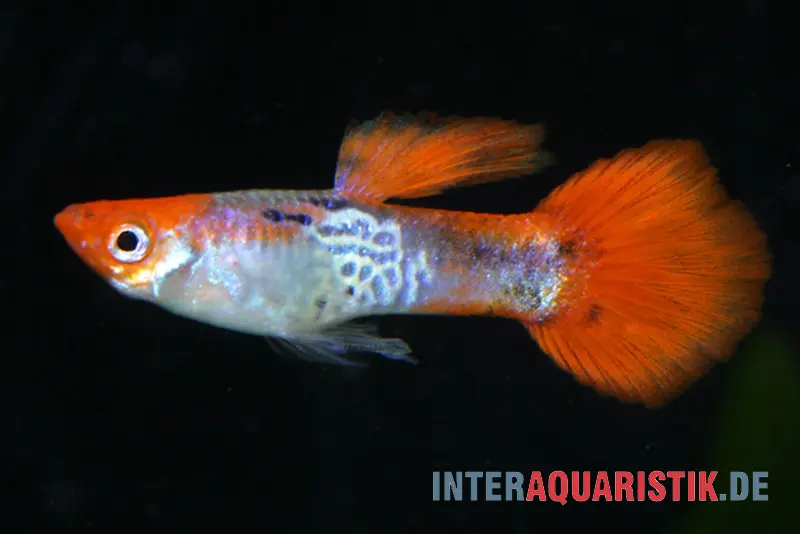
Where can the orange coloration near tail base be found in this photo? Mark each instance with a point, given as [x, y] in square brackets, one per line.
[673, 273]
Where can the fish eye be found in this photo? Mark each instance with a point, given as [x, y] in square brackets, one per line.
[129, 243]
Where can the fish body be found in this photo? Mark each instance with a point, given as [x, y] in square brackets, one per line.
[635, 276]
[290, 264]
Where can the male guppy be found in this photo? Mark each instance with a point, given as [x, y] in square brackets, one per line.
[636, 275]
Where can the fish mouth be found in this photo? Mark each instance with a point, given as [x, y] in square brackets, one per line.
[70, 223]
[61, 220]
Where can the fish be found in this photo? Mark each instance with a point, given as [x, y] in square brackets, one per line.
[635, 276]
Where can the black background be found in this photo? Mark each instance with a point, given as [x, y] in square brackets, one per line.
[122, 417]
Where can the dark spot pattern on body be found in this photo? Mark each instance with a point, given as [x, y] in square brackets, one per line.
[383, 239]
[385, 257]
[482, 251]
[380, 258]
[526, 294]
[366, 272]
[362, 225]
[299, 218]
[494, 252]
[348, 269]
[329, 203]
[328, 230]
[567, 248]
[276, 217]
[272, 215]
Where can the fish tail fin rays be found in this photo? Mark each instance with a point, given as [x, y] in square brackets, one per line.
[671, 273]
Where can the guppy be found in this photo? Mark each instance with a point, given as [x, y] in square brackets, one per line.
[635, 276]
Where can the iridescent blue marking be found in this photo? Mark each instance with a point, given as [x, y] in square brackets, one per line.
[378, 288]
[383, 239]
[391, 276]
[348, 269]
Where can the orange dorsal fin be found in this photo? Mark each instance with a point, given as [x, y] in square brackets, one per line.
[668, 273]
[412, 157]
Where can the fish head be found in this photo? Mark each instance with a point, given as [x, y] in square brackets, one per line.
[133, 244]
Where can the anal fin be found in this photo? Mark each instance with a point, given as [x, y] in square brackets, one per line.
[344, 344]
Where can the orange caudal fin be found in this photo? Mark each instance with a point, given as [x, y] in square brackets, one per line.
[668, 273]
[411, 157]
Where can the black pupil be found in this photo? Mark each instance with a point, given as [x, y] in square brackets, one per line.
[127, 241]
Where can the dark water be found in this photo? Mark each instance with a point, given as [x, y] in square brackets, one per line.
[119, 415]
